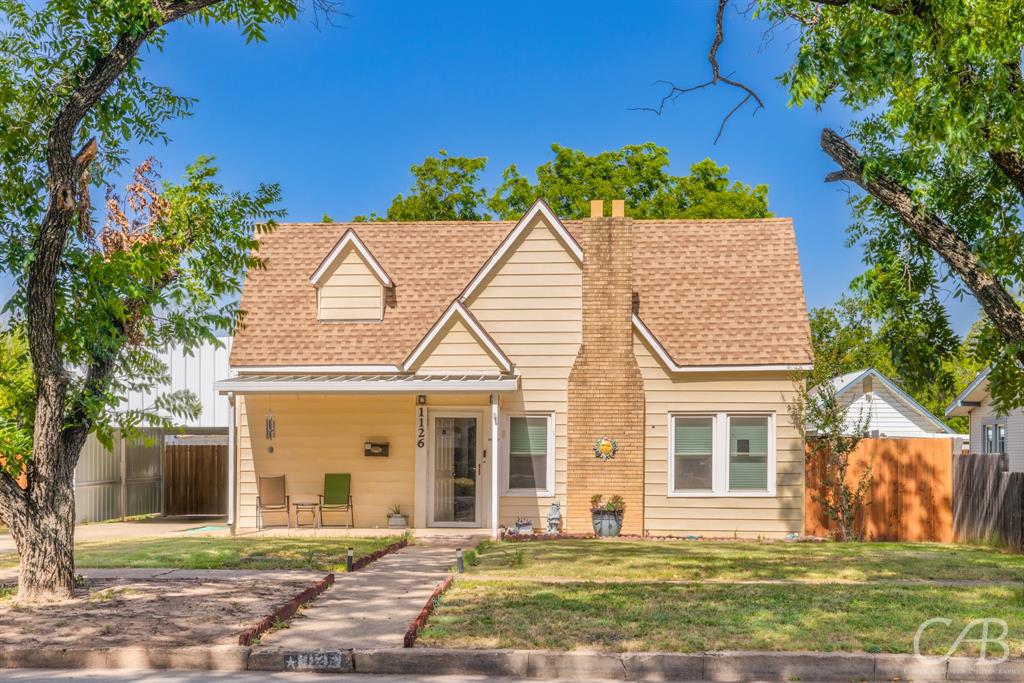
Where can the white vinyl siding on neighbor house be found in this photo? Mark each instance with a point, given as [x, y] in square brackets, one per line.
[887, 414]
[745, 514]
[350, 291]
[532, 307]
[986, 414]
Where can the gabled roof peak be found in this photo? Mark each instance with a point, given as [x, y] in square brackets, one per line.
[350, 238]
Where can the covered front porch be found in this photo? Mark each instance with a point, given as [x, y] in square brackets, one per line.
[423, 443]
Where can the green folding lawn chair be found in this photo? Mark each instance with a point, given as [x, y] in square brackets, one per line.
[337, 497]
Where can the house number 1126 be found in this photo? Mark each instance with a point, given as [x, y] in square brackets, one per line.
[421, 430]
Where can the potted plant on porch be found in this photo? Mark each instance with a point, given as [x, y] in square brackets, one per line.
[396, 519]
[606, 514]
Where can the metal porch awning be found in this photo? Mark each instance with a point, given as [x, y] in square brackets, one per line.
[369, 384]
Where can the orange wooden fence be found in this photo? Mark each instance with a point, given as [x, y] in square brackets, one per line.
[911, 496]
[22, 478]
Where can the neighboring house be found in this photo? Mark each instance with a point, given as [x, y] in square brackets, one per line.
[990, 431]
[467, 370]
[131, 478]
[890, 412]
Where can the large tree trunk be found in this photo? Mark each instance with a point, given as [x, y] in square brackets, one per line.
[44, 536]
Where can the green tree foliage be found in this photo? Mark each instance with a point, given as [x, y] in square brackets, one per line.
[938, 147]
[637, 173]
[96, 300]
[832, 436]
[445, 189]
[847, 337]
[449, 188]
[17, 400]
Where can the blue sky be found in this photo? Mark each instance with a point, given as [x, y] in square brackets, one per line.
[337, 115]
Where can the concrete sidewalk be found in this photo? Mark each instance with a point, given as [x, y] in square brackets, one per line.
[143, 528]
[370, 608]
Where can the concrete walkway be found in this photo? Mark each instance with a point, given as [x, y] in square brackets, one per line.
[143, 528]
[371, 608]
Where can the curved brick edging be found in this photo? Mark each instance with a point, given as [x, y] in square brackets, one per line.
[421, 619]
[285, 611]
[377, 554]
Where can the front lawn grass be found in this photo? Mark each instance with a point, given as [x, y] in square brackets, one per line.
[220, 552]
[738, 561]
[621, 617]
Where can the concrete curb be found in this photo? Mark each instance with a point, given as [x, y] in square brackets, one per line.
[207, 658]
[539, 664]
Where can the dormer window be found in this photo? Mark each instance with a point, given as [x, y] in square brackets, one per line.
[350, 283]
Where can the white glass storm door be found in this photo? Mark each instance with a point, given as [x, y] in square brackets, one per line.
[455, 470]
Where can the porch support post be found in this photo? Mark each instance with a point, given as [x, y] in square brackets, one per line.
[495, 461]
[232, 412]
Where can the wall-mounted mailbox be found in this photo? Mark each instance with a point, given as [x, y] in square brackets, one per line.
[375, 449]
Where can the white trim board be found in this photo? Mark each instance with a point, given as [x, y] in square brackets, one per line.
[475, 329]
[666, 360]
[350, 238]
[541, 208]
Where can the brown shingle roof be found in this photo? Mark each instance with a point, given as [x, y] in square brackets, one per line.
[713, 292]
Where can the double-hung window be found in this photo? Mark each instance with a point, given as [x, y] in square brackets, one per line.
[994, 438]
[530, 466]
[721, 454]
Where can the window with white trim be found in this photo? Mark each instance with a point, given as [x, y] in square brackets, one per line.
[994, 438]
[721, 454]
[530, 462]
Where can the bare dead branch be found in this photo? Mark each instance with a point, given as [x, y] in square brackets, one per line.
[676, 91]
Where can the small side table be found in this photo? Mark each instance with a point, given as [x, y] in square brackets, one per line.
[311, 508]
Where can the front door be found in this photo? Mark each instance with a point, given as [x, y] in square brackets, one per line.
[455, 470]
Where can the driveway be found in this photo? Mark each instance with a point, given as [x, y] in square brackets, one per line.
[158, 526]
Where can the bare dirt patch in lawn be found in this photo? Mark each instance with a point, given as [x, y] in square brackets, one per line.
[157, 612]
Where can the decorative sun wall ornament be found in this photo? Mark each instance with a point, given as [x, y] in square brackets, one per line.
[605, 448]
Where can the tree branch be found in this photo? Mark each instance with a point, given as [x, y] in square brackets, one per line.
[994, 298]
[716, 77]
[1012, 166]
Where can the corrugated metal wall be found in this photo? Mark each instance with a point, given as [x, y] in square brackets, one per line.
[196, 373]
[123, 482]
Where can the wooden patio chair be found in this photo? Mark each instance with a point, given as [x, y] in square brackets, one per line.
[271, 497]
[337, 497]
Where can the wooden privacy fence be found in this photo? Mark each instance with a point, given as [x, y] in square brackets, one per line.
[911, 496]
[988, 505]
[195, 480]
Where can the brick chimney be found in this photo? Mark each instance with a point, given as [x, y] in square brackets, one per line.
[606, 392]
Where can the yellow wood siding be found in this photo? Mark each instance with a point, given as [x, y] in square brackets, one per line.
[458, 349]
[716, 392]
[532, 308]
[351, 291]
[319, 434]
